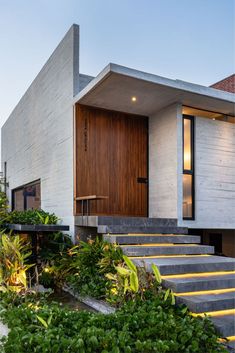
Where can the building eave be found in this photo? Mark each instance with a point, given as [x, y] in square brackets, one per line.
[115, 85]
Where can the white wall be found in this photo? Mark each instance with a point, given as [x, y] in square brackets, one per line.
[37, 139]
[214, 175]
[163, 168]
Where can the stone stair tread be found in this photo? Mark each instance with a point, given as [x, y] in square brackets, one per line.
[225, 324]
[200, 283]
[144, 229]
[187, 264]
[208, 302]
[152, 238]
[166, 249]
[231, 346]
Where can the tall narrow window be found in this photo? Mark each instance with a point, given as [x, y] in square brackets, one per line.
[188, 167]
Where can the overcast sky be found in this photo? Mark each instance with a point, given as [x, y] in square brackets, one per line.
[192, 40]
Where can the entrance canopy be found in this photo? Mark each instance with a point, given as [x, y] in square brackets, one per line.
[127, 90]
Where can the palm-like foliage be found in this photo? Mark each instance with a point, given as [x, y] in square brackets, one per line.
[14, 252]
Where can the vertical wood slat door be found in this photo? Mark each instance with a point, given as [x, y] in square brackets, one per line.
[111, 150]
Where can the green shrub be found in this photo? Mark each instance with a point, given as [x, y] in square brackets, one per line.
[3, 207]
[143, 327]
[31, 217]
[91, 262]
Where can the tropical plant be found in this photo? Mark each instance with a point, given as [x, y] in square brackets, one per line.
[130, 282]
[92, 261]
[14, 253]
[3, 207]
[31, 217]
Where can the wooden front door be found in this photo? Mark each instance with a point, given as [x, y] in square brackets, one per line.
[111, 151]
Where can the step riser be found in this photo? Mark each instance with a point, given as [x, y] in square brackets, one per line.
[164, 250]
[224, 326]
[199, 286]
[105, 229]
[188, 268]
[137, 221]
[148, 239]
[204, 306]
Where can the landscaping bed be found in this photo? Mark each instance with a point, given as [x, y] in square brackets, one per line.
[144, 319]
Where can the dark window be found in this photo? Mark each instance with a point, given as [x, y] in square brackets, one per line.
[27, 197]
[188, 167]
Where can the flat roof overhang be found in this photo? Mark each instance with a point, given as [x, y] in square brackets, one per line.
[115, 86]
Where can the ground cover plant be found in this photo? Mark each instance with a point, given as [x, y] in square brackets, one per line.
[153, 325]
[147, 319]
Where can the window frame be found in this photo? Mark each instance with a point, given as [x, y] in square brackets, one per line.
[22, 187]
[192, 169]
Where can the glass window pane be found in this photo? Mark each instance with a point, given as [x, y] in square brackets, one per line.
[33, 200]
[187, 196]
[187, 145]
[19, 200]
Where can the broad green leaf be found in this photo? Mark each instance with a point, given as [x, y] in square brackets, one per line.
[123, 271]
[156, 273]
[43, 322]
[134, 282]
[172, 298]
[166, 294]
[129, 263]
[110, 276]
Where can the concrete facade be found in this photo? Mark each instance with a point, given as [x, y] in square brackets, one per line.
[37, 139]
[214, 175]
[163, 163]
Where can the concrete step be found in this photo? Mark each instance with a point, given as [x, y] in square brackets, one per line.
[225, 324]
[166, 249]
[151, 238]
[231, 346]
[192, 284]
[208, 302]
[169, 265]
[126, 229]
[136, 221]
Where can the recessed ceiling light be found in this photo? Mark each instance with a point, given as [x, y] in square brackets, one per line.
[213, 118]
[134, 99]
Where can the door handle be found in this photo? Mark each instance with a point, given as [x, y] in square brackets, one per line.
[142, 180]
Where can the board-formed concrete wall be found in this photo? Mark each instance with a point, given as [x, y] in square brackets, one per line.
[214, 175]
[163, 144]
[37, 139]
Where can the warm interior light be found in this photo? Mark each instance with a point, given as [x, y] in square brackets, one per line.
[134, 99]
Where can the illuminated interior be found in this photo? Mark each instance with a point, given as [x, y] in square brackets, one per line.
[188, 167]
[207, 114]
[187, 144]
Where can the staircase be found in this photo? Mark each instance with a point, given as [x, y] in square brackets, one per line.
[202, 281]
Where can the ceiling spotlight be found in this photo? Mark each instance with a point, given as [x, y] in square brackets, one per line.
[134, 99]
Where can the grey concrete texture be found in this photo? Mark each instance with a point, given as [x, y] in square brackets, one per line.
[193, 284]
[189, 264]
[225, 324]
[167, 250]
[140, 239]
[208, 302]
[124, 229]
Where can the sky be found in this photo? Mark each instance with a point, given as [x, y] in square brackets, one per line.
[191, 40]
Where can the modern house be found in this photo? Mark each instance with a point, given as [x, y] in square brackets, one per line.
[123, 144]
